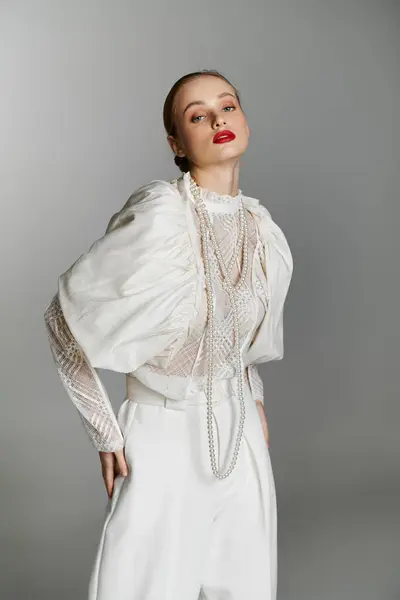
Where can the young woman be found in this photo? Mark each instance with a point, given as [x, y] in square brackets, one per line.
[184, 294]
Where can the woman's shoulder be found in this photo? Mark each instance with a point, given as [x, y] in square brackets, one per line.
[270, 231]
[156, 197]
[254, 206]
[153, 191]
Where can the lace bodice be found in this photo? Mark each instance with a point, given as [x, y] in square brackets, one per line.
[145, 313]
[190, 359]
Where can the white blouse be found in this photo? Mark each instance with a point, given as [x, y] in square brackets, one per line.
[135, 302]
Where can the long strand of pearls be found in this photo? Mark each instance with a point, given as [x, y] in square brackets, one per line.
[240, 241]
[230, 287]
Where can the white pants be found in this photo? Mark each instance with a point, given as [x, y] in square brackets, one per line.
[172, 530]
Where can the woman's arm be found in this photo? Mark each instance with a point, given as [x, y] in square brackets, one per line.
[88, 394]
[257, 388]
[82, 382]
[256, 383]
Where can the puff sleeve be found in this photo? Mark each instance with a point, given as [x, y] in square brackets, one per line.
[128, 299]
[277, 262]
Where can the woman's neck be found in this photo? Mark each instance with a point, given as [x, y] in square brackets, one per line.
[224, 181]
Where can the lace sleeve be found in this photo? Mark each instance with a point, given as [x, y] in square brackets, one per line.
[82, 382]
[256, 383]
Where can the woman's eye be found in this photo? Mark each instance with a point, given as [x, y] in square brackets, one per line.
[199, 117]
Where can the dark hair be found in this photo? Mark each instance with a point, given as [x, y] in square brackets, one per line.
[169, 113]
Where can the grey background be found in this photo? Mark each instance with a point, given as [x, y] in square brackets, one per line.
[82, 87]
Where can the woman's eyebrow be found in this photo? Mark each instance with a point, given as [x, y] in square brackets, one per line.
[201, 102]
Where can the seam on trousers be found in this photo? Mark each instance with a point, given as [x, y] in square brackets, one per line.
[99, 559]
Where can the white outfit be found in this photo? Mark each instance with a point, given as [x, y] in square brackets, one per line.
[136, 303]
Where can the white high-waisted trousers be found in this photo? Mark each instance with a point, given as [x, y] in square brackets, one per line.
[172, 530]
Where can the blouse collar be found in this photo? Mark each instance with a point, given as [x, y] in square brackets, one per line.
[215, 202]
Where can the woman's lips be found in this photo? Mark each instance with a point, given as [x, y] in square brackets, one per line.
[223, 136]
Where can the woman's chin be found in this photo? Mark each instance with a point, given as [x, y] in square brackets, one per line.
[231, 154]
[232, 149]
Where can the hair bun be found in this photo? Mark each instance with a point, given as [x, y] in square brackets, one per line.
[183, 163]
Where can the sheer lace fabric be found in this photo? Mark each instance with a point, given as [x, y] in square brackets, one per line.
[81, 382]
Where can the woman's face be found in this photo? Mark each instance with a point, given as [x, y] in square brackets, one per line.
[203, 107]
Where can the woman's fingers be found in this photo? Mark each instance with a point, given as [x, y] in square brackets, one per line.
[266, 431]
[112, 464]
[121, 462]
[107, 468]
[264, 422]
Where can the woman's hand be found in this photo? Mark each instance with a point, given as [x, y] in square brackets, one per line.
[112, 464]
[264, 423]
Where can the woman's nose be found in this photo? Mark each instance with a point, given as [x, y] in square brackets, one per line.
[219, 120]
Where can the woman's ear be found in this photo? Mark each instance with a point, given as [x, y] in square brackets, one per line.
[175, 146]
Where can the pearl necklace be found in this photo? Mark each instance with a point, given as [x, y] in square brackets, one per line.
[230, 287]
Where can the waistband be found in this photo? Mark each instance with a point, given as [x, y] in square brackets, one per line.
[223, 390]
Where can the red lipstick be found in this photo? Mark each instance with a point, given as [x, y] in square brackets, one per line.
[223, 136]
